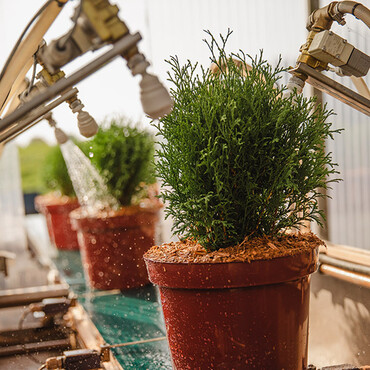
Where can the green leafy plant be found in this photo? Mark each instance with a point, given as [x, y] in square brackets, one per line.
[123, 154]
[55, 173]
[240, 160]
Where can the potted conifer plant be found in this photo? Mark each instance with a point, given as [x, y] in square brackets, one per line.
[113, 241]
[59, 202]
[242, 165]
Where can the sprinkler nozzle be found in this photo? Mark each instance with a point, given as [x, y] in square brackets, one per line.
[155, 99]
[86, 124]
[60, 135]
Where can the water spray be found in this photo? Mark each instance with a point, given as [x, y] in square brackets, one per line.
[90, 188]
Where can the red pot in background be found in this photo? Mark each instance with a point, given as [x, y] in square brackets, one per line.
[56, 211]
[237, 315]
[112, 245]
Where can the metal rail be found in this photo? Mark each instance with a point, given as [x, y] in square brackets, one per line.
[24, 296]
[346, 265]
[342, 274]
[333, 88]
[33, 118]
[35, 347]
[136, 342]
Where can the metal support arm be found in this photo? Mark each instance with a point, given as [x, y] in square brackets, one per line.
[120, 47]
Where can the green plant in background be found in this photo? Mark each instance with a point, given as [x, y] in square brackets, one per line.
[31, 161]
[240, 160]
[55, 173]
[123, 154]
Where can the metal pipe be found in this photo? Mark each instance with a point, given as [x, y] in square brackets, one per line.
[346, 265]
[143, 341]
[15, 101]
[29, 121]
[120, 47]
[322, 19]
[16, 89]
[33, 347]
[24, 296]
[25, 129]
[352, 277]
[28, 47]
[333, 88]
[357, 9]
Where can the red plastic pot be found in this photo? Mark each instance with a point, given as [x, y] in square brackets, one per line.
[237, 315]
[56, 211]
[112, 246]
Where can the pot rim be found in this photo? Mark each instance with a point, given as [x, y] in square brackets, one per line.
[125, 218]
[223, 275]
[151, 206]
[53, 203]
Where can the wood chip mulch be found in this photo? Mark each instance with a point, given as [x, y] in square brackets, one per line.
[258, 248]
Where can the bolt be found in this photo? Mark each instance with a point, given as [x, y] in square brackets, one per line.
[337, 56]
[330, 33]
[323, 48]
[344, 41]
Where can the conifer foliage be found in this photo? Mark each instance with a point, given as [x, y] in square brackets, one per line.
[123, 154]
[238, 160]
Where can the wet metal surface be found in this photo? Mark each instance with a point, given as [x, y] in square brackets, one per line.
[121, 317]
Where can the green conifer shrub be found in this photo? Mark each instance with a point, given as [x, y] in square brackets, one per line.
[124, 155]
[238, 159]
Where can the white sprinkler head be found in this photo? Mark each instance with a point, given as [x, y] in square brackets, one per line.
[155, 99]
[86, 124]
[60, 135]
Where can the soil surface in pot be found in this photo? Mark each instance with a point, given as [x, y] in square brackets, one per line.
[259, 248]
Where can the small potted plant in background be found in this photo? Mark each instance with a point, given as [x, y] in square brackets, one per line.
[242, 165]
[113, 241]
[59, 202]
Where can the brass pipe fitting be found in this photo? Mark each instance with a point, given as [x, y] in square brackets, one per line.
[322, 19]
